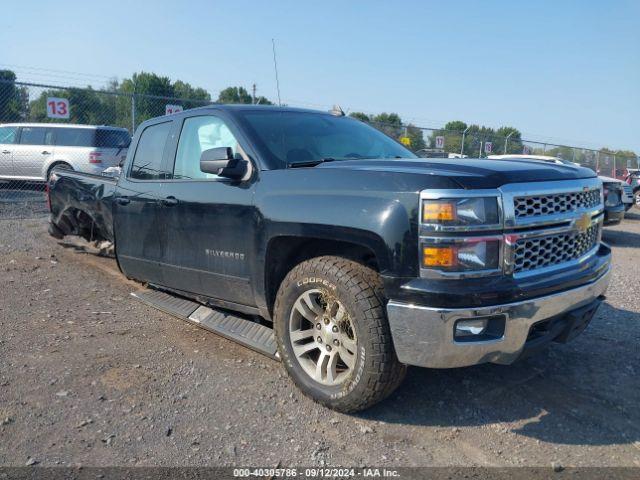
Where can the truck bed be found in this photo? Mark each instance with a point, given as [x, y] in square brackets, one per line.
[81, 204]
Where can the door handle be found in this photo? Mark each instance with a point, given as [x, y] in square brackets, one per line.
[169, 201]
[123, 200]
[46, 153]
[6, 151]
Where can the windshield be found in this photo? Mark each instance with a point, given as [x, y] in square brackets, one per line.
[300, 137]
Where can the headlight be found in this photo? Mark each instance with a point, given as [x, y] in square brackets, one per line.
[471, 255]
[461, 211]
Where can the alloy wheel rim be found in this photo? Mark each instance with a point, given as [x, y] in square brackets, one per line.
[323, 337]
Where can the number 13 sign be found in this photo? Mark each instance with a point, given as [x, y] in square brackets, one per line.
[57, 107]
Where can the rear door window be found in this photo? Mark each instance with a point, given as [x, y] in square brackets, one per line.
[74, 137]
[36, 136]
[8, 135]
[148, 161]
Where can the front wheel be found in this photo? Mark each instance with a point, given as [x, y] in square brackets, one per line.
[333, 335]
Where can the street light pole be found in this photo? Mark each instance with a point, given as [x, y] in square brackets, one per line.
[506, 142]
[463, 134]
[133, 108]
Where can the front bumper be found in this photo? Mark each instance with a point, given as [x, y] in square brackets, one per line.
[424, 336]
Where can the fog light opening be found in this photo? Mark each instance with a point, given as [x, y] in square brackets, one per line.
[479, 329]
[476, 326]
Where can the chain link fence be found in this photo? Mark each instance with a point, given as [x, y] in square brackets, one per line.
[42, 126]
[434, 142]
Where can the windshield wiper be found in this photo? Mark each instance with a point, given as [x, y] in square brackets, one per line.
[310, 163]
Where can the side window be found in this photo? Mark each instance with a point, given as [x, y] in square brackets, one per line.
[8, 135]
[147, 161]
[111, 138]
[75, 137]
[200, 134]
[34, 136]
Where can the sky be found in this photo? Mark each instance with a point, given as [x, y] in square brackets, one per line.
[559, 71]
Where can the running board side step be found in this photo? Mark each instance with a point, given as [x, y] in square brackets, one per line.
[245, 332]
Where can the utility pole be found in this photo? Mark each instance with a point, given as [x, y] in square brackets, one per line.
[133, 108]
[275, 66]
[463, 134]
[506, 142]
[253, 94]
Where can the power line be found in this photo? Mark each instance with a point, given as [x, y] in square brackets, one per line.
[94, 75]
[29, 72]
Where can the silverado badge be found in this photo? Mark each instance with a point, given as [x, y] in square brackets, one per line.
[583, 223]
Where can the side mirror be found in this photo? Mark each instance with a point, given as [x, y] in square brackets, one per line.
[220, 161]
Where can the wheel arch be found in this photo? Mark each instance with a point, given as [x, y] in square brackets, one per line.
[55, 163]
[284, 252]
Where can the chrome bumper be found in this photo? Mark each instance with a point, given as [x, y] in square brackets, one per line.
[424, 336]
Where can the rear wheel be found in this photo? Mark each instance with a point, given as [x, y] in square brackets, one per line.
[62, 165]
[636, 198]
[333, 335]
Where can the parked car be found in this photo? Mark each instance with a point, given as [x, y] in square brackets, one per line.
[316, 239]
[628, 198]
[29, 151]
[633, 180]
[616, 199]
[614, 208]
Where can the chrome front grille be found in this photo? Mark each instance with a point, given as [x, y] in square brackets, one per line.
[553, 204]
[544, 227]
[551, 250]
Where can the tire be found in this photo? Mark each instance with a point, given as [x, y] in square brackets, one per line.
[346, 300]
[636, 199]
[63, 165]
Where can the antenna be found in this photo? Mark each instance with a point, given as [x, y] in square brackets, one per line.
[275, 66]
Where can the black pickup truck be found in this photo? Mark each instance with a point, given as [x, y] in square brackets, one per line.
[351, 256]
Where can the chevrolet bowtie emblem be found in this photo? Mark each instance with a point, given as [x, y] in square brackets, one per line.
[583, 223]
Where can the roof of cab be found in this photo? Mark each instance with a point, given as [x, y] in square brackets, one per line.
[248, 107]
[60, 125]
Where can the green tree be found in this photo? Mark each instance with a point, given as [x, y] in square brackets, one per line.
[475, 136]
[197, 97]
[389, 123]
[86, 106]
[453, 136]
[514, 144]
[363, 117]
[240, 95]
[149, 89]
[416, 138]
[13, 99]
[234, 95]
[455, 126]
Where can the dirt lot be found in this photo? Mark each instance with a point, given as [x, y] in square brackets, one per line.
[90, 376]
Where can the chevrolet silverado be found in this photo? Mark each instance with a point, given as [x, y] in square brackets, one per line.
[318, 240]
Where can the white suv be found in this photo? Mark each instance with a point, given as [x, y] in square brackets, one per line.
[28, 151]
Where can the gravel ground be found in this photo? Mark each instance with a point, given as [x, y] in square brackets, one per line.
[90, 376]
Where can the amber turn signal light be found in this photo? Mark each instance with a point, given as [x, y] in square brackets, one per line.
[438, 256]
[438, 212]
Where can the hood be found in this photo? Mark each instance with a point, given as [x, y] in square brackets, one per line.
[470, 173]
